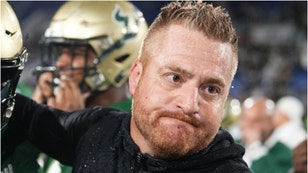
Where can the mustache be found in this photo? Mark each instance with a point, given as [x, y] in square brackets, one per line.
[190, 119]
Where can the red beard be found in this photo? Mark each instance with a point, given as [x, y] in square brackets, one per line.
[182, 134]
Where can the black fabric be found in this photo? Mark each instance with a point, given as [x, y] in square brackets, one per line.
[97, 140]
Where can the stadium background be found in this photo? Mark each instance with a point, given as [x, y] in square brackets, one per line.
[272, 43]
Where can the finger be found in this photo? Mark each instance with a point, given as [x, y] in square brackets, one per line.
[62, 97]
[37, 95]
[74, 88]
[86, 95]
[76, 99]
[68, 96]
[45, 84]
[51, 102]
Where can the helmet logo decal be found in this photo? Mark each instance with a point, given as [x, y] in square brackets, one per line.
[120, 18]
[130, 21]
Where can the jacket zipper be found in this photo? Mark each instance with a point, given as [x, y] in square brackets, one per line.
[137, 164]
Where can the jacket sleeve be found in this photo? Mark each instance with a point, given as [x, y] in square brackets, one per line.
[53, 131]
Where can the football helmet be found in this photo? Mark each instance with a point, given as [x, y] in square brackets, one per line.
[114, 30]
[13, 56]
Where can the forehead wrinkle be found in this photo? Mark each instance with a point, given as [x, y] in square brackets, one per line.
[215, 54]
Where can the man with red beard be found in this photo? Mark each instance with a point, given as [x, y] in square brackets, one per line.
[179, 83]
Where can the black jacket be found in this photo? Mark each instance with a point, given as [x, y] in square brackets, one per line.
[98, 141]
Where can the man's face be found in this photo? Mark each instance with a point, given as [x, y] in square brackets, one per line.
[255, 123]
[72, 61]
[179, 95]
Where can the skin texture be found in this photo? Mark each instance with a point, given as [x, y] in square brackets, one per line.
[179, 94]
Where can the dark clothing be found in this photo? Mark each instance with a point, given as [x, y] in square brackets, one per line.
[98, 140]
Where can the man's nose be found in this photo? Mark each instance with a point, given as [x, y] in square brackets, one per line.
[188, 100]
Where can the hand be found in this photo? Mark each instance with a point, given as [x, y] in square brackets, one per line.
[67, 96]
[300, 158]
[43, 90]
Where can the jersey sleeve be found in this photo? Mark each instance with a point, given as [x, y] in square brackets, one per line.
[53, 131]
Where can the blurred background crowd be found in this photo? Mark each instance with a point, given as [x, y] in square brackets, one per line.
[272, 45]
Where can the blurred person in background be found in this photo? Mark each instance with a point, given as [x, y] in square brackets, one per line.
[288, 121]
[263, 152]
[290, 130]
[91, 51]
[13, 57]
[89, 48]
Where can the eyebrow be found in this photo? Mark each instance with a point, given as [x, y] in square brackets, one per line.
[187, 74]
[181, 71]
[215, 81]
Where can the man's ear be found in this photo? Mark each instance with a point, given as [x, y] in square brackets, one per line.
[134, 76]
